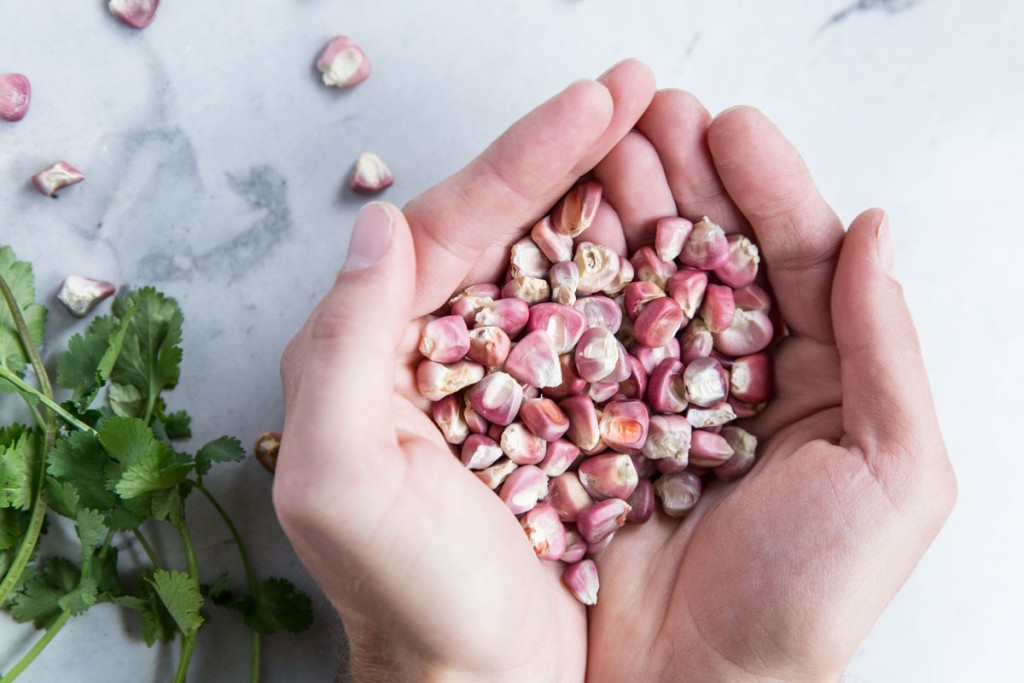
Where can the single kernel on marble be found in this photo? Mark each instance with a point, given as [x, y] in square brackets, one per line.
[670, 234]
[576, 211]
[581, 580]
[610, 475]
[556, 246]
[741, 268]
[480, 451]
[545, 531]
[437, 380]
[687, 287]
[81, 294]
[666, 390]
[600, 311]
[708, 449]
[568, 496]
[707, 247]
[560, 454]
[447, 414]
[751, 378]
[266, 448]
[668, 437]
[370, 174]
[624, 425]
[343, 63]
[659, 322]
[563, 324]
[134, 13]
[598, 265]
[497, 398]
[533, 360]
[706, 381]
[596, 355]
[53, 178]
[522, 446]
[523, 488]
[678, 492]
[750, 332]
[584, 430]
[15, 96]
[647, 266]
[602, 519]
[445, 339]
[495, 475]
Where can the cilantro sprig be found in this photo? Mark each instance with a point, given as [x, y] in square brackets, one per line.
[105, 459]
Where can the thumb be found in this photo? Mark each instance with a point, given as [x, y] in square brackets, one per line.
[887, 405]
[344, 394]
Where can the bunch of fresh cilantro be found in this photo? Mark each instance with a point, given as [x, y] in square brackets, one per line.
[104, 459]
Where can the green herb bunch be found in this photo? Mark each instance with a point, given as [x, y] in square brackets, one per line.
[105, 460]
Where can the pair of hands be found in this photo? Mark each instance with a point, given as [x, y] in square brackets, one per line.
[778, 576]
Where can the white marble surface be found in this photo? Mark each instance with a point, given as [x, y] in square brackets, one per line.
[214, 162]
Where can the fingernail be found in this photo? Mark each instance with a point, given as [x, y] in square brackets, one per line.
[371, 236]
[883, 242]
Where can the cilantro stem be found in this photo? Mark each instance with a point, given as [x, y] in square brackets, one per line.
[26, 338]
[44, 399]
[40, 645]
[147, 548]
[188, 642]
[250, 577]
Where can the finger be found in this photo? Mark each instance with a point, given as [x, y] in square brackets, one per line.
[677, 124]
[798, 232]
[635, 185]
[464, 225]
[886, 398]
[343, 395]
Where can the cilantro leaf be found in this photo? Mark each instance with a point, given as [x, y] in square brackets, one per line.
[80, 598]
[150, 352]
[180, 595]
[13, 524]
[19, 277]
[125, 400]
[177, 425]
[89, 526]
[277, 604]
[222, 449]
[86, 365]
[153, 472]
[39, 597]
[62, 497]
[127, 439]
[80, 461]
[17, 472]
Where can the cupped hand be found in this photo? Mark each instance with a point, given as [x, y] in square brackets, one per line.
[433, 577]
[780, 575]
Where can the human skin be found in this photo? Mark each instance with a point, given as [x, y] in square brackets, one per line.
[778, 576]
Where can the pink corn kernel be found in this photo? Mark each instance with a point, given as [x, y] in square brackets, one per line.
[447, 413]
[752, 298]
[15, 97]
[55, 177]
[544, 531]
[583, 426]
[708, 449]
[556, 246]
[581, 580]
[750, 332]
[560, 454]
[522, 446]
[687, 287]
[624, 425]
[695, 341]
[744, 447]
[602, 391]
[634, 386]
[596, 354]
[480, 452]
[567, 496]
[532, 290]
[751, 378]
[489, 345]
[495, 475]
[534, 360]
[497, 398]
[707, 247]
[741, 267]
[445, 339]
[647, 266]
[598, 266]
[523, 488]
[711, 416]
[565, 278]
[718, 308]
[641, 502]
[437, 380]
[510, 315]
[666, 389]
[706, 382]
[528, 259]
[668, 437]
[610, 475]
[543, 417]
[602, 519]
[658, 323]
[600, 311]
[649, 357]
[575, 546]
[342, 63]
[134, 13]
[576, 211]
[670, 235]
[638, 294]
[563, 324]
[678, 492]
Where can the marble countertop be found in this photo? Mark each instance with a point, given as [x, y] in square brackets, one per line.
[215, 163]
